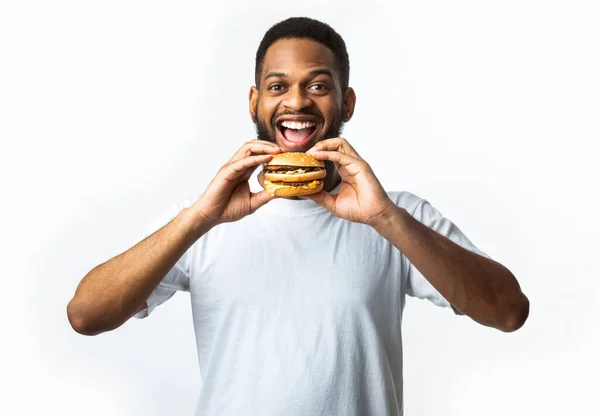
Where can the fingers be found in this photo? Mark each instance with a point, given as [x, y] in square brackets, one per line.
[338, 144]
[259, 199]
[256, 147]
[236, 170]
[336, 157]
[245, 161]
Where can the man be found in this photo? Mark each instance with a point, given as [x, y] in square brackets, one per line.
[297, 303]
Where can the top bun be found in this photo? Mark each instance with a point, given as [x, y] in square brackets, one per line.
[295, 159]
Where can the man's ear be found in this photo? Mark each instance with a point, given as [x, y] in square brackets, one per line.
[349, 103]
[253, 100]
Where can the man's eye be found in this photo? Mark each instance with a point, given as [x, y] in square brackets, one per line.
[276, 87]
[318, 87]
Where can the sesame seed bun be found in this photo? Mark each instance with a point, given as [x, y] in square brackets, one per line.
[295, 159]
[294, 174]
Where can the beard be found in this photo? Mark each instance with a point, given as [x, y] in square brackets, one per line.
[262, 131]
[335, 130]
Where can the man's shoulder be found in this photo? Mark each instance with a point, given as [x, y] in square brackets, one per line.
[405, 199]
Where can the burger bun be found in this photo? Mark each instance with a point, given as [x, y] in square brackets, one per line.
[289, 191]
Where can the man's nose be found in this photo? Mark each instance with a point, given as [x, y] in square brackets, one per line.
[296, 99]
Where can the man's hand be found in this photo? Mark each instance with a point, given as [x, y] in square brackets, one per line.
[228, 198]
[361, 197]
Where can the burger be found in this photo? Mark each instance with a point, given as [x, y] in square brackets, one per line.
[293, 174]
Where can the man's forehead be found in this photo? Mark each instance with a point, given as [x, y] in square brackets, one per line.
[304, 55]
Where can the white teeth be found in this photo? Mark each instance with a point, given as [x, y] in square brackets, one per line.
[298, 125]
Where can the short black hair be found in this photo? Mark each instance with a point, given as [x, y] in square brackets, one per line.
[305, 28]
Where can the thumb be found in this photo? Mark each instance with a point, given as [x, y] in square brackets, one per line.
[259, 199]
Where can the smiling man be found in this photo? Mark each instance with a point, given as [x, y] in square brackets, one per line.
[297, 303]
[301, 94]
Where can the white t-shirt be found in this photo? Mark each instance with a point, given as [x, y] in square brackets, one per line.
[298, 312]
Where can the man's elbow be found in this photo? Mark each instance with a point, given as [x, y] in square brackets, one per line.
[516, 315]
[79, 320]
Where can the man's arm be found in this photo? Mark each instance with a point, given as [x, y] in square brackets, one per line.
[115, 290]
[474, 285]
[479, 287]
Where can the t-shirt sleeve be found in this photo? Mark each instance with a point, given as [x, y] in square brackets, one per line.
[417, 285]
[178, 278]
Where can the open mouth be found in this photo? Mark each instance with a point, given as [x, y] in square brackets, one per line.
[296, 134]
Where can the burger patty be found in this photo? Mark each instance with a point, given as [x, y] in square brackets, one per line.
[287, 168]
[293, 183]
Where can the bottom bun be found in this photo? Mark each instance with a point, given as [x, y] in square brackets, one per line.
[288, 191]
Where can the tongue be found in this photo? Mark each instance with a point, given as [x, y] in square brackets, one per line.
[297, 135]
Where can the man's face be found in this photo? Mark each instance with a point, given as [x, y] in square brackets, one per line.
[300, 100]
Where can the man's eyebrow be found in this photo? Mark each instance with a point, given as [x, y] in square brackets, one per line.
[275, 75]
[313, 73]
[321, 71]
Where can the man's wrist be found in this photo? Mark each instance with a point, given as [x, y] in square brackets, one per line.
[392, 221]
[194, 225]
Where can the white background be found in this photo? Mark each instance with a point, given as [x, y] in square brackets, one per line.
[112, 111]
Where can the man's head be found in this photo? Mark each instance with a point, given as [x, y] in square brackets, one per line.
[301, 94]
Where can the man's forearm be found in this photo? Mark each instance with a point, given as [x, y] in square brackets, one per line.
[115, 290]
[480, 288]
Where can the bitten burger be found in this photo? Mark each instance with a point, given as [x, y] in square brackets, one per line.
[293, 174]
